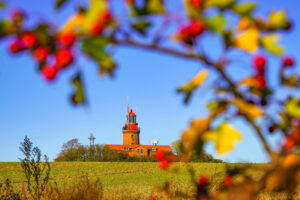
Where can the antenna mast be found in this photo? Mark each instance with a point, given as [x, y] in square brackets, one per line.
[92, 139]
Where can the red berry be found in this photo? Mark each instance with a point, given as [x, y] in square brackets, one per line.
[195, 28]
[164, 164]
[28, 40]
[152, 198]
[49, 73]
[184, 32]
[97, 29]
[295, 135]
[63, 57]
[288, 144]
[196, 3]
[288, 61]
[202, 179]
[15, 46]
[228, 180]
[259, 62]
[106, 16]
[160, 156]
[261, 82]
[66, 39]
[41, 54]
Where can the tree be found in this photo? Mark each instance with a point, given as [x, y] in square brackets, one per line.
[149, 26]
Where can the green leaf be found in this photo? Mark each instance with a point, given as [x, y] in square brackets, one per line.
[221, 4]
[215, 24]
[269, 42]
[60, 3]
[107, 66]
[78, 94]
[92, 14]
[2, 5]
[141, 26]
[244, 9]
[292, 107]
[94, 47]
[155, 7]
[4, 27]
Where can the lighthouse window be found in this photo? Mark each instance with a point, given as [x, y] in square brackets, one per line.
[126, 148]
[132, 137]
[141, 150]
[153, 149]
[138, 151]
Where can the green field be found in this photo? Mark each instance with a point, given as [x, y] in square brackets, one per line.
[121, 179]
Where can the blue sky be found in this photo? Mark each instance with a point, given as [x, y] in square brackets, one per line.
[146, 80]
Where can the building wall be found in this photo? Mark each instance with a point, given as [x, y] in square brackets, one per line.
[131, 137]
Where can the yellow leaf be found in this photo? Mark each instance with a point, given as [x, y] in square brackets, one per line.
[248, 40]
[269, 42]
[292, 107]
[223, 137]
[73, 24]
[199, 78]
[191, 135]
[92, 15]
[249, 109]
[249, 81]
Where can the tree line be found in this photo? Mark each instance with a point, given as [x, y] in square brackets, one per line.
[75, 151]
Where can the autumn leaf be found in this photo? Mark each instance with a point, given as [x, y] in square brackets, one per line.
[249, 109]
[190, 136]
[249, 81]
[277, 20]
[188, 88]
[269, 42]
[248, 40]
[292, 107]
[92, 15]
[73, 24]
[243, 24]
[223, 137]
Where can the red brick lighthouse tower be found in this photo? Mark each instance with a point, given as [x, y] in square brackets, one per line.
[131, 131]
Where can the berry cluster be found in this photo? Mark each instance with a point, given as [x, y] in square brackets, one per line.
[260, 63]
[62, 54]
[164, 161]
[292, 140]
[202, 187]
[191, 31]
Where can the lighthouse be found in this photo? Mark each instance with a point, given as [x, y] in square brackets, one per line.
[131, 140]
[131, 131]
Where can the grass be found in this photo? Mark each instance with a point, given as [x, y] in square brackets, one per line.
[124, 179]
[120, 178]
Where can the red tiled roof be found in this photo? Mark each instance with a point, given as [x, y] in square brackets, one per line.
[120, 147]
